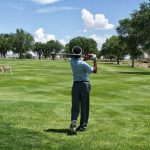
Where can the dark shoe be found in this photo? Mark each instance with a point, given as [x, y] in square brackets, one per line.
[82, 127]
[73, 128]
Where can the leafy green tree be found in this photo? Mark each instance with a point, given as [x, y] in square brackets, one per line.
[23, 42]
[39, 48]
[135, 31]
[51, 48]
[130, 36]
[113, 48]
[141, 23]
[58, 46]
[87, 44]
[1, 44]
[117, 47]
[66, 48]
[106, 51]
[6, 43]
[46, 50]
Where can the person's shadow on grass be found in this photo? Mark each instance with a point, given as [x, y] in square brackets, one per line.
[67, 131]
[57, 130]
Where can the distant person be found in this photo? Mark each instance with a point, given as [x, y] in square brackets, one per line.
[81, 88]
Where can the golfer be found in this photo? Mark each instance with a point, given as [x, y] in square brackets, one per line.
[81, 88]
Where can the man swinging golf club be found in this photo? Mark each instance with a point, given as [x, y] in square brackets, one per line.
[81, 88]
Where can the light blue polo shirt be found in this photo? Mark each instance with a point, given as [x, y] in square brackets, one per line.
[80, 69]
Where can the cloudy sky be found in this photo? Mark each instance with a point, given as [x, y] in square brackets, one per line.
[65, 19]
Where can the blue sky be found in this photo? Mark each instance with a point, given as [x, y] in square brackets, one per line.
[65, 19]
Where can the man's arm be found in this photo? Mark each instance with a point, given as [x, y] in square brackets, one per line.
[87, 57]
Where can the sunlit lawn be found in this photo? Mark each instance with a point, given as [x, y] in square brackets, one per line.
[35, 105]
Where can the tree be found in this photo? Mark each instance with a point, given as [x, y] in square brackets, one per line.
[39, 48]
[23, 42]
[58, 48]
[130, 36]
[118, 49]
[1, 44]
[51, 48]
[6, 43]
[113, 48]
[66, 48]
[106, 50]
[135, 31]
[87, 44]
[141, 23]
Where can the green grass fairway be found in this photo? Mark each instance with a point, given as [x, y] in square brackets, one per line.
[35, 104]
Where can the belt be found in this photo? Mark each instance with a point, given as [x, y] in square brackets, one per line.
[80, 81]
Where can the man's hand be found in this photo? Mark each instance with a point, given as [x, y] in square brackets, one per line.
[86, 57]
[90, 56]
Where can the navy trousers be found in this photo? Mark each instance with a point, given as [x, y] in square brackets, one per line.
[80, 101]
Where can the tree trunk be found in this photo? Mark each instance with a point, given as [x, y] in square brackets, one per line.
[20, 55]
[39, 56]
[132, 62]
[110, 59]
[4, 54]
[118, 61]
[53, 56]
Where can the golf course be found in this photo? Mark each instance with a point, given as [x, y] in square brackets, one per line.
[35, 106]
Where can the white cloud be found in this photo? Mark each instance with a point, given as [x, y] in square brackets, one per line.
[68, 37]
[100, 39]
[98, 22]
[54, 9]
[84, 30]
[63, 42]
[44, 2]
[40, 36]
[49, 37]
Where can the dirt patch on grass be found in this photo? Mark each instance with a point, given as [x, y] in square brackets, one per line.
[142, 65]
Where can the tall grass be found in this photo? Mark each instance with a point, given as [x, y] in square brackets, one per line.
[35, 107]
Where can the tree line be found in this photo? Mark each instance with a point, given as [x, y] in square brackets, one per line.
[22, 42]
[133, 36]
